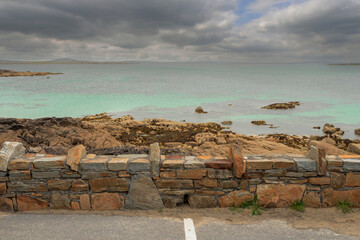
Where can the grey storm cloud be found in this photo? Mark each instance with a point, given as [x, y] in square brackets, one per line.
[318, 30]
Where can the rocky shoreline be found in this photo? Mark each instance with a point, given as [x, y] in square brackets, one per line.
[9, 73]
[104, 135]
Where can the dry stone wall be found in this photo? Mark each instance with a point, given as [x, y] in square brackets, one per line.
[81, 181]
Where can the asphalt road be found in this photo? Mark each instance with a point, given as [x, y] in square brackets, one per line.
[79, 227]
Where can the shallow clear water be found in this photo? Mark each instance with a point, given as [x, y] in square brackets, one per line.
[174, 90]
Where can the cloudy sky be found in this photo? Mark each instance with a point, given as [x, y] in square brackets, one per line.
[181, 30]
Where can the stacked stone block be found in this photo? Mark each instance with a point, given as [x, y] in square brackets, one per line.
[81, 181]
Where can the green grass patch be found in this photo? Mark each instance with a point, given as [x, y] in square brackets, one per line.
[298, 206]
[253, 204]
[345, 206]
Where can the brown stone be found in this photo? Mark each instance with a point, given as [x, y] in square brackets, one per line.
[319, 180]
[298, 181]
[243, 184]
[337, 180]
[175, 164]
[283, 164]
[331, 197]
[235, 198]
[352, 180]
[174, 157]
[249, 175]
[118, 164]
[105, 201]
[279, 195]
[312, 199]
[204, 157]
[191, 173]
[59, 201]
[202, 201]
[50, 163]
[206, 182]
[15, 175]
[109, 184]
[312, 188]
[229, 184]
[75, 205]
[239, 165]
[123, 174]
[219, 164]
[85, 202]
[75, 154]
[174, 184]
[59, 184]
[19, 164]
[2, 188]
[169, 174]
[334, 163]
[79, 185]
[6, 204]
[262, 164]
[28, 203]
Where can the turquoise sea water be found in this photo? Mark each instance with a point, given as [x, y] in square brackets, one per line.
[174, 90]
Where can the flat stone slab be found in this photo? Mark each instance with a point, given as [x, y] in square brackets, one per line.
[193, 162]
[96, 164]
[219, 164]
[263, 164]
[133, 156]
[305, 164]
[45, 174]
[173, 163]
[139, 165]
[351, 165]
[50, 162]
[118, 164]
[19, 164]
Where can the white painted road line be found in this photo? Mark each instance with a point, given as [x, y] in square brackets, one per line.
[189, 229]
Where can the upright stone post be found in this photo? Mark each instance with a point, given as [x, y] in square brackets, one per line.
[75, 154]
[319, 156]
[154, 157]
[11, 150]
[239, 165]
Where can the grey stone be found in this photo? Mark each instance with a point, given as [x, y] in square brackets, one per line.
[294, 174]
[202, 202]
[69, 174]
[274, 173]
[59, 201]
[193, 162]
[45, 174]
[96, 164]
[351, 165]
[143, 194]
[154, 157]
[177, 192]
[3, 174]
[118, 164]
[19, 175]
[50, 162]
[172, 202]
[220, 173]
[11, 150]
[139, 165]
[28, 186]
[305, 164]
[94, 175]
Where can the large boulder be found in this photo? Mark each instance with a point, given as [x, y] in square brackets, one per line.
[355, 148]
[143, 194]
[329, 149]
[75, 154]
[11, 150]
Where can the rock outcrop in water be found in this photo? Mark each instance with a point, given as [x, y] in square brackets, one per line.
[276, 106]
[357, 131]
[200, 110]
[9, 73]
[102, 134]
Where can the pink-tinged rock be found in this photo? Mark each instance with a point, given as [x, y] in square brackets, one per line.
[279, 195]
[105, 201]
[28, 203]
[235, 198]
[75, 154]
[239, 165]
[331, 197]
[312, 199]
[75, 206]
[85, 202]
[6, 204]
[219, 164]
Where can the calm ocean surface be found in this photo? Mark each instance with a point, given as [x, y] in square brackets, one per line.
[173, 90]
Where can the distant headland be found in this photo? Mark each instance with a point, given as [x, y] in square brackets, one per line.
[63, 61]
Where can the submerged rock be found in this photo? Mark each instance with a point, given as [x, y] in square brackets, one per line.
[9, 73]
[200, 110]
[226, 122]
[288, 105]
[261, 122]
